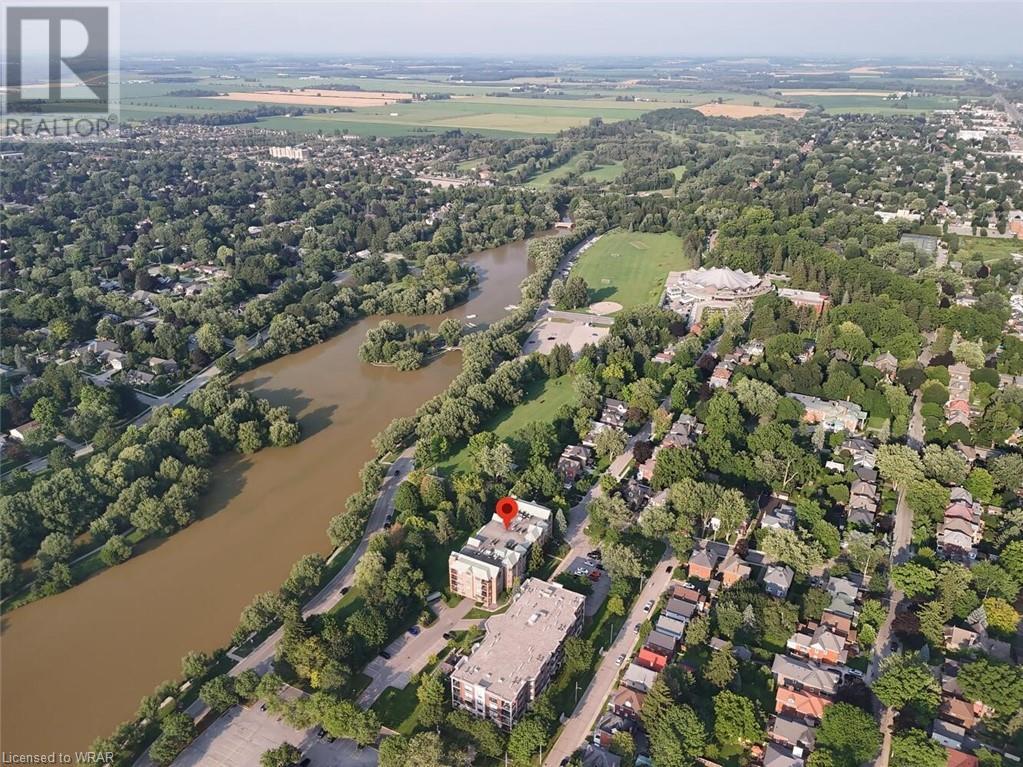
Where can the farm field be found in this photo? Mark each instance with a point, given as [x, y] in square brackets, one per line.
[986, 249]
[630, 267]
[865, 104]
[741, 111]
[542, 400]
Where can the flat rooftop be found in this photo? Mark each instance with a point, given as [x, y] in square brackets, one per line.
[493, 544]
[520, 641]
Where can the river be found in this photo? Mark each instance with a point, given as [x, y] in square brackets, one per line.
[76, 664]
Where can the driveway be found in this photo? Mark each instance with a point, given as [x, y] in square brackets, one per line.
[409, 654]
[578, 726]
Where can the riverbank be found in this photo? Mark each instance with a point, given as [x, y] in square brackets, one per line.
[121, 632]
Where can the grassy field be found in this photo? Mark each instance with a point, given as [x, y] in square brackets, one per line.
[877, 104]
[986, 249]
[542, 401]
[630, 267]
[605, 173]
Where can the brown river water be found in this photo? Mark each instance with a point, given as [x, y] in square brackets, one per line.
[74, 665]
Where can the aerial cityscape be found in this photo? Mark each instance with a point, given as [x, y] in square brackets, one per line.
[589, 384]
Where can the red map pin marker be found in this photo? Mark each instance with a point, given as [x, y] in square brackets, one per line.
[507, 510]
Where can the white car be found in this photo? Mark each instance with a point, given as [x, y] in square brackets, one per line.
[620, 659]
[648, 606]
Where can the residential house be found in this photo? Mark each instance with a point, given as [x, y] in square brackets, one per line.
[800, 674]
[960, 639]
[639, 678]
[777, 580]
[609, 724]
[962, 527]
[804, 704]
[22, 433]
[160, 366]
[594, 756]
[948, 734]
[671, 626]
[957, 408]
[818, 643]
[733, 569]
[776, 755]
[834, 415]
[573, 463]
[681, 609]
[662, 644]
[614, 412]
[778, 514]
[888, 364]
[792, 733]
[722, 374]
[627, 702]
[652, 659]
[702, 562]
[636, 494]
[958, 758]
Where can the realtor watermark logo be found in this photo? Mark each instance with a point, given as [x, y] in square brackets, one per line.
[60, 77]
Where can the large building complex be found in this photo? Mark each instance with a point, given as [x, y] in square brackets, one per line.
[693, 292]
[520, 654]
[495, 556]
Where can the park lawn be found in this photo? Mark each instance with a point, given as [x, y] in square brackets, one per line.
[542, 400]
[399, 709]
[986, 249]
[605, 173]
[630, 267]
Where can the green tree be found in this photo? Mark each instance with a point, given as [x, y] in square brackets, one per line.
[177, 730]
[115, 551]
[283, 755]
[526, 739]
[735, 721]
[677, 737]
[914, 748]
[432, 696]
[981, 485]
[906, 681]
[722, 667]
[849, 734]
[1002, 618]
[219, 693]
[914, 579]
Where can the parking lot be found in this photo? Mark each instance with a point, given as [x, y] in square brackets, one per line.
[563, 328]
[582, 567]
[242, 735]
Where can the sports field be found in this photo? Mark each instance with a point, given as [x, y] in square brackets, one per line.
[630, 267]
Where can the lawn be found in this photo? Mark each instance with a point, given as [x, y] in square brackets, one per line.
[986, 249]
[630, 267]
[542, 400]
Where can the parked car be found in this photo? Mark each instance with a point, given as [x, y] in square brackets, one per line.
[321, 732]
[345, 590]
[447, 635]
[385, 655]
[669, 568]
[648, 606]
[414, 631]
[620, 659]
[595, 554]
[595, 576]
[305, 762]
[635, 628]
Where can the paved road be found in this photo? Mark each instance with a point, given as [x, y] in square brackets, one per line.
[575, 536]
[260, 658]
[901, 552]
[410, 653]
[591, 702]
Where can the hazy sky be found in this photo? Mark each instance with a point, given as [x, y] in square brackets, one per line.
[524, 29]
